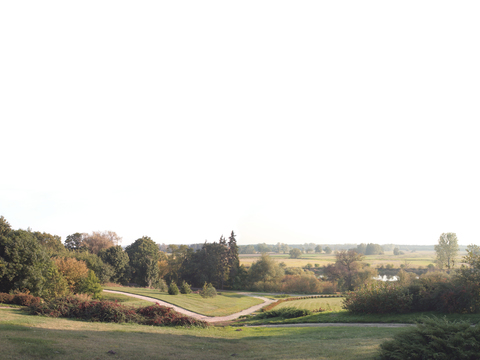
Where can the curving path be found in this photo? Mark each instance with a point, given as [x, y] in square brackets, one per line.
[199, 316]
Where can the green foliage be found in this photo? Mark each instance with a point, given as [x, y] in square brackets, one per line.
[265, 274]
[74, 242]
[91, 286]
[23, 262]
[5, 227]
[173, 289]
[446, 250]
[185, 288]
[318, 249]
[103, 271]
[295, 253]
[286, 313]
[208, 291]
[55, 283]
[144, 256]
[118, 260]
[434, 338]
[396, 251]
[328, 250]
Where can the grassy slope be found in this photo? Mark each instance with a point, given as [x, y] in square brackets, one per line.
[221, 305]
[28, 337]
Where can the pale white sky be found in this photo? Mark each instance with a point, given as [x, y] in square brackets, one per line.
[310, 121]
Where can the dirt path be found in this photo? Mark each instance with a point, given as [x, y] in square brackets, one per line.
[198, 316]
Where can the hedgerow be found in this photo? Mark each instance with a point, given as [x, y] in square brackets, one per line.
[109, 311]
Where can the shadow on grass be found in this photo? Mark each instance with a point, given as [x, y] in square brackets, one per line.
[139, 342]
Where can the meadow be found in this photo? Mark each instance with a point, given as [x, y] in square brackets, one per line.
[221, 305]
[26, 337]
[414, 259]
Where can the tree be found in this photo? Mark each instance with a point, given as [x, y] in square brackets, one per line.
[118, 260]
[264, 248]
[208, 291]
[396, 251]
[318, 249]
[23, 262]
[144, 255]
[52, 243]
[5, 227]
[91, 286]
[101, 240]
[373, 249]
[447, 250]
[265, 274]
[295, 253]
[185, 288]
[328, 250]
[55, 283]
[346, 268]
[73, 270]
[173, 289]
[74, 242]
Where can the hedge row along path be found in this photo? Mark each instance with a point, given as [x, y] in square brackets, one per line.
[198, 316]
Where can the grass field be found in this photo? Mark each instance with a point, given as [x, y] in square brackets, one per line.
[414, 259]
[221, 305]
[25, 337]
[329, 304]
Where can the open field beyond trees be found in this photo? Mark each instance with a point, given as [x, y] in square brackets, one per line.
[225, 304]
[414, 259]
[28, 337]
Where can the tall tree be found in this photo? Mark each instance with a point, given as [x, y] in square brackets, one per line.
[24, 263]
[143, 255]
[447, 250]
[118, 260]
[74, 242]
[5, 227]
[52, 243]
[265, 274]
[345, 269]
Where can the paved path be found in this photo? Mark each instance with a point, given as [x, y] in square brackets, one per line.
[198, 316]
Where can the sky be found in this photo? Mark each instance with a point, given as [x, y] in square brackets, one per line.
[284, 121]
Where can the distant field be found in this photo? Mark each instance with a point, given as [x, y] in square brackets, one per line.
[414, 259]
[221, 305]
[328, 304]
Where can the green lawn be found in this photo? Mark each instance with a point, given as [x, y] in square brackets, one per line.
[329, 304]
[26, 337]
[221, 305]
[125, 299]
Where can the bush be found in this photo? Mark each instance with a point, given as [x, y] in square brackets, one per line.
[19, 298]
[173, 289]
[6, 298]
[306, 284]
[286, 313]
[109, 311]
[434, 338]
[91, 286]
[185, 288]
[208, 291]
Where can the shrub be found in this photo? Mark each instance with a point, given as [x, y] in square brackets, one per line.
[91, 286]
[306, 284]
[185, 288]
[173, 289]
[6, 298]
[434, 338]
[286, 313]
[109, 311]
[26, 299]
[208, 291]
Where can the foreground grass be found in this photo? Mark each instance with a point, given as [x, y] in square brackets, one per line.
[28, 337]
[220, 305]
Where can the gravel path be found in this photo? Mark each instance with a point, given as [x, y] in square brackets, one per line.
[198, 316]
